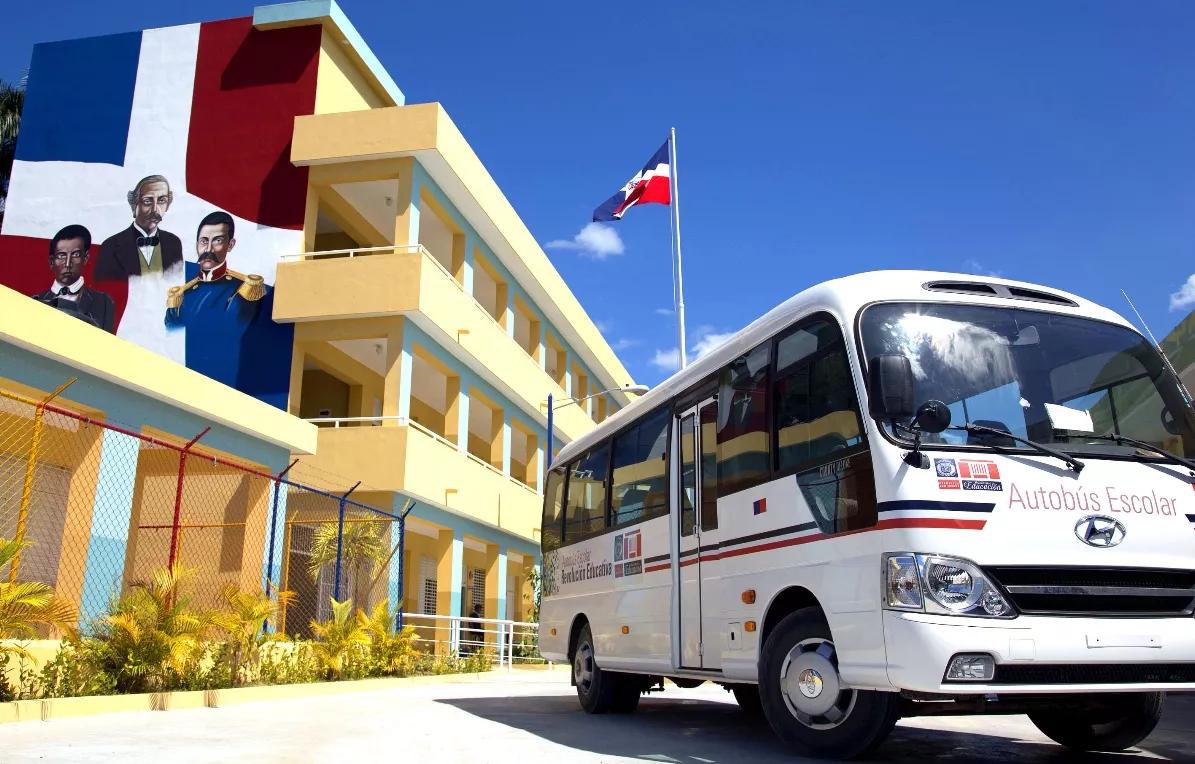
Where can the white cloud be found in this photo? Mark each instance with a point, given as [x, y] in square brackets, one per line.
[1185, 297]
[603, 326]
[594, 240]
[664, 311]
[976, 267]
[624, 343]
[703, 341]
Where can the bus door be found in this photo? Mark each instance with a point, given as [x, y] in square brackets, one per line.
[692, 448]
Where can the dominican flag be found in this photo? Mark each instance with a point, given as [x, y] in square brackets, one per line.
[649, 186]
[209, 110]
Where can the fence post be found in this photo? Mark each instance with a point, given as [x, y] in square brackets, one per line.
[340, 540]
[178, 495]
[39, 415]
[402, 562]
[274, 528]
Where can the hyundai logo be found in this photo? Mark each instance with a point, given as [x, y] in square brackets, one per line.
[1100, 531]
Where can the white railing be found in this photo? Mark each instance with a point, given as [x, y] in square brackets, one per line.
[406, 249]
[375, 421]
[508, 642]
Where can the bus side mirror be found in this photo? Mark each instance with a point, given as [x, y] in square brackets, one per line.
[890, 388]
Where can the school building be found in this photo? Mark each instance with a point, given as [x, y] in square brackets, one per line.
[384, 307]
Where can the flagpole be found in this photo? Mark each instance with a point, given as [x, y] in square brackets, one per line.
[680, 290]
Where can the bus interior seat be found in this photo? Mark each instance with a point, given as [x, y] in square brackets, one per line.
[986, 439]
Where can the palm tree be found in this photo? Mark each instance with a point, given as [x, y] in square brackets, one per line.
[12, 100]
[26, 604]
[339, 637]
[393, 650]
[153, 636]
[361, 543]
[244, 619]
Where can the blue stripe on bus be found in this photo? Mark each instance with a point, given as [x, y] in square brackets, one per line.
[937, 506]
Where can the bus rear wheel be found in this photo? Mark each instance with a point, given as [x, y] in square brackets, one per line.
[601, 691]
[1120, 722]
[806, 702]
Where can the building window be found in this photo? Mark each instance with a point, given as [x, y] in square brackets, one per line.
[585, 513]
[428, 591]
[639, 486]
[477, 592]
[743, 428]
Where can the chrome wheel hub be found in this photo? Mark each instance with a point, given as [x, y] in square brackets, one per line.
[583, 668]
[813, 691]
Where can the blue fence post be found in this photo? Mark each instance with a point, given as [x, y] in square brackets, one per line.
[340, 540]
[274, 530]
[402, 564]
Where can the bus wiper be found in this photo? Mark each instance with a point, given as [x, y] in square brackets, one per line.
[1071, 461]
[1121, 440]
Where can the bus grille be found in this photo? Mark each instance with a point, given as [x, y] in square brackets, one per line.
[1115, 592]
[1109, 673]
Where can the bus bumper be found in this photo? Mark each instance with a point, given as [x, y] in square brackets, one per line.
[1037, 654]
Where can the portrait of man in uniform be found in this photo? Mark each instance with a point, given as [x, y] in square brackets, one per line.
[230, 333]
[70, 249]
[143, 247]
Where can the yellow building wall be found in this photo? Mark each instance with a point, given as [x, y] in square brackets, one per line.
[323, 392]
[339, 84]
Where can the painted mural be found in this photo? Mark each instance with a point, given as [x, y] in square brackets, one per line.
[152, 194]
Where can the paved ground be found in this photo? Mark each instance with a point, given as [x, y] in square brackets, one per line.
[529, 718]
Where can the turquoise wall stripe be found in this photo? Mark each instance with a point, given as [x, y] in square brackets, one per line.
[458, 558]
[464, 525]
[110, 519]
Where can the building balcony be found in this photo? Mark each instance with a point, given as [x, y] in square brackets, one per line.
[408, 281]
[396, 454]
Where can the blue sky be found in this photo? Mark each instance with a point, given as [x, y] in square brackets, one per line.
[1046, 142]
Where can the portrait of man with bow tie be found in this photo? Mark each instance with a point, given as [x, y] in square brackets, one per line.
[70, 249]
[143, 247]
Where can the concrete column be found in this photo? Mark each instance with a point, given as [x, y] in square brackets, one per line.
[449, 572]
[568, 373]
[495, 586]
[543, 346]
[108, 541]
[540, 466]
[510, 311]
[462, 415]
[396, 390]
[501, 430]
[470, 260]
[406, 205]
[297, 358]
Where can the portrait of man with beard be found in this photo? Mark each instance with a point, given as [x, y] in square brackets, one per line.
[143, 247]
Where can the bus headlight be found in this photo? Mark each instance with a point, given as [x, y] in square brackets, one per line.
[945, 585]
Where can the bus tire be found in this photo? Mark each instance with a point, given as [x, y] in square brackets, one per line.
[596, 689]
[747, 696]
[804, 698]
[1122, 723]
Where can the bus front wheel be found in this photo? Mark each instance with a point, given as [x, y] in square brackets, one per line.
[600, 691]
[805, 700]
[1120, 722]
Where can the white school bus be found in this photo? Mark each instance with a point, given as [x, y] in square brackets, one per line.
[896, 494]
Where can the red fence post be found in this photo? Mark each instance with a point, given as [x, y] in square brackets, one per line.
[178, 495]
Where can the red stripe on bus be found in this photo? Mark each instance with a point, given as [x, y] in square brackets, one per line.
[899, 522]
[654, 568]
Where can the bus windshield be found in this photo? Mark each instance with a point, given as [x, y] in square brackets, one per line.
[1056, 379]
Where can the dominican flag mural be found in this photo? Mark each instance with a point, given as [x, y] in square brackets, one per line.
[649, 186]
[152, 193]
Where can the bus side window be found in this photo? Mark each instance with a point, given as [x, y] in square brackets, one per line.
[639, 486]
[819, 435]
[550, 527]
[710, 468]
[744, 450]
[688, 477]
[585, 513]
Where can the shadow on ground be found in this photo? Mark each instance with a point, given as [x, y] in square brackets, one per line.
[708, 732]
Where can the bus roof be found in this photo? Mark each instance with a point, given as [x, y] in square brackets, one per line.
[841, 297]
